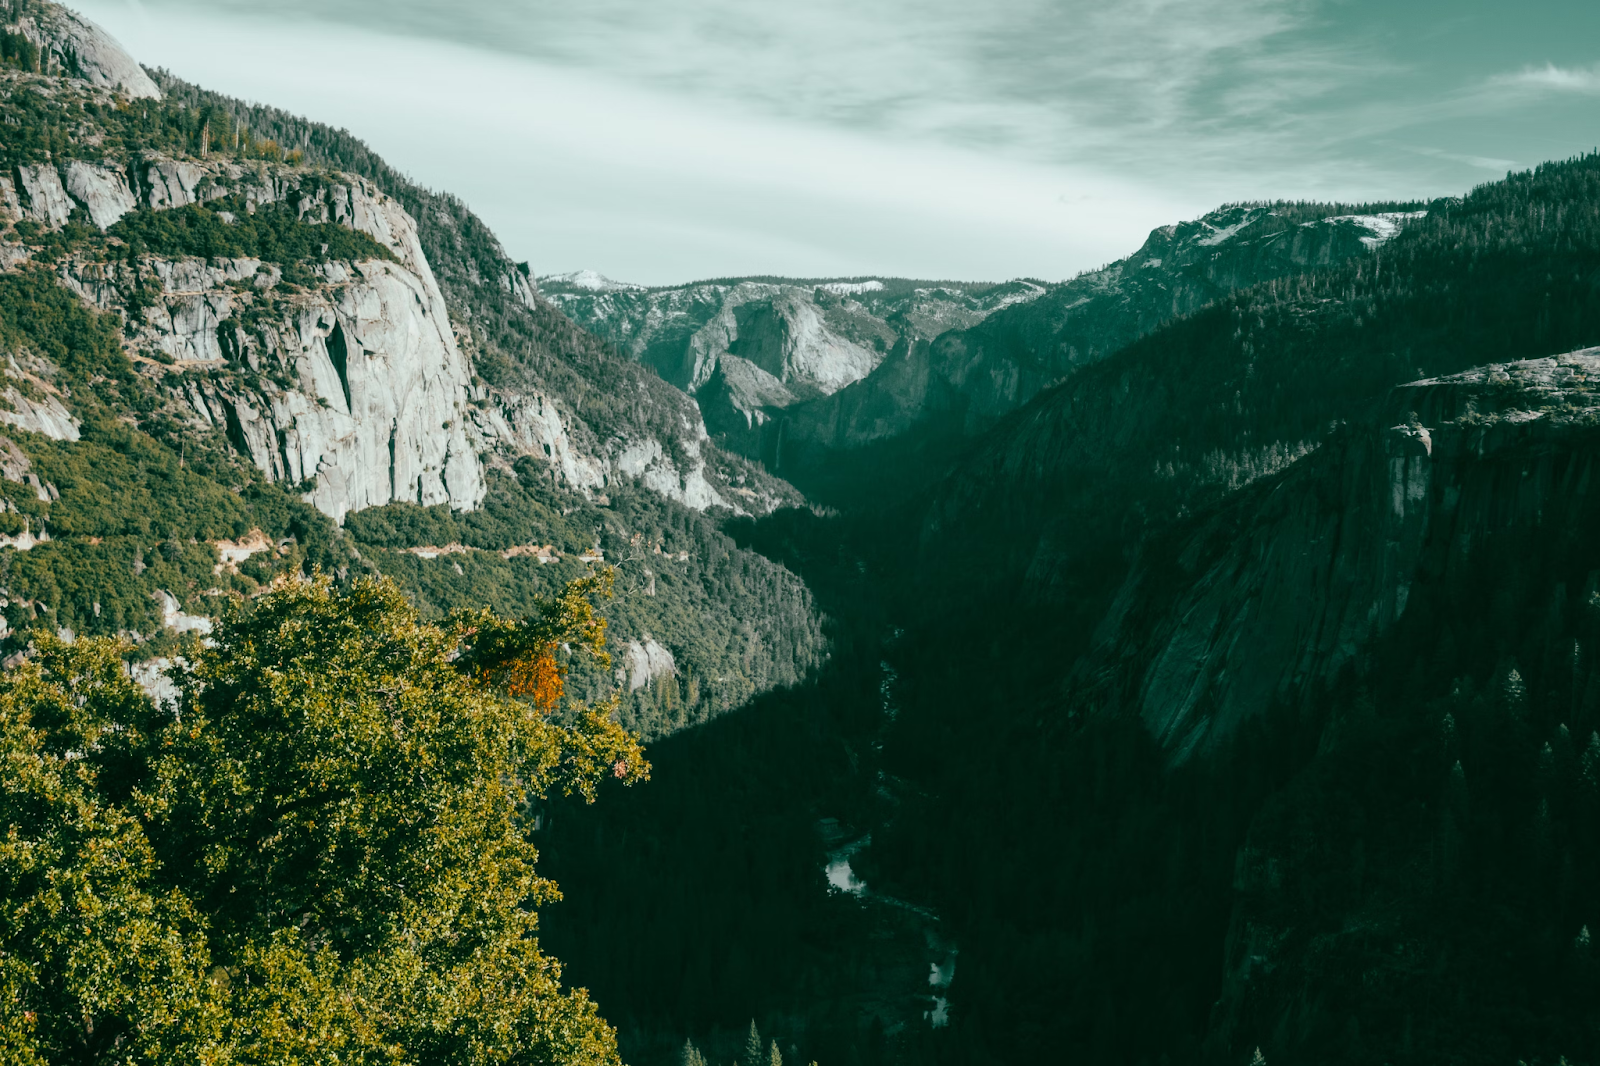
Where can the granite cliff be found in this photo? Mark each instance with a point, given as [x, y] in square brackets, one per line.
[748, 348]
[1262, 602]
[962, 380]
[71, 45]
[225, 326]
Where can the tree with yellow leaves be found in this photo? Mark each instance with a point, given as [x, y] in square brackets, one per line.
[315, 854]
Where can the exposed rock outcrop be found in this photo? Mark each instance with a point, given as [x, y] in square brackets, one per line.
[103, 190]
[747, 348]
[1266, 599]
[32, 404]
[357, 386]
[969, 377]
[642, 663]
[72, 45]
[47, 199]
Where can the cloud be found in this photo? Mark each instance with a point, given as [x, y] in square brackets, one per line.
[1481, 162]
[1134, 82]
[1552, 79]
[886, 107]
[577, 168]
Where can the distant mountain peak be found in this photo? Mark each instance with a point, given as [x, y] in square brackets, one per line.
[585, 281]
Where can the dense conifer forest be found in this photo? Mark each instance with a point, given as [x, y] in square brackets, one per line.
[1409, 851]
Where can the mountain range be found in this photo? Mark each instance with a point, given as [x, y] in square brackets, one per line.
[1193, 660]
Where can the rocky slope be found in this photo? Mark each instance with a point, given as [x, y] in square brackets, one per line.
[215, 315]
[747, 348]
[962, 380]
[68, 44]
[1265, 600]
[375, 400]
[541, 386]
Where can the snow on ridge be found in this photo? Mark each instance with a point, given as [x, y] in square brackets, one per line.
[592, 280]
[1032, 292]
[851, 288]
[1384, 226]
[1218, 235]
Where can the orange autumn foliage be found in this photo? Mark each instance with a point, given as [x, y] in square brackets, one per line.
[537, 678]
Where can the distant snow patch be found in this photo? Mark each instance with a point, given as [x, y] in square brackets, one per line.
[1226, 232]
[851, 288]
[1383, 227]
[589, 280]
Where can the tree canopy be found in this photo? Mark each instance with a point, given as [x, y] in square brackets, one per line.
[315, 853]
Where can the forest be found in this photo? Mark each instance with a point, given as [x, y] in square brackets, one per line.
[898, 798]
[1409, 849]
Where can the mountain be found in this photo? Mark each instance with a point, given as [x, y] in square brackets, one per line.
[1193, 661]
[1289, 579]
[963, 380]
[234, 352]
[747, 348]
[1234, 693]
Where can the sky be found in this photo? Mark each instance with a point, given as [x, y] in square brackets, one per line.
[661, 141]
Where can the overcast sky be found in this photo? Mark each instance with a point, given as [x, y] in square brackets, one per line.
[666, 140]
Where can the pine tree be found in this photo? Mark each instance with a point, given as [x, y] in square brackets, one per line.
[752, 1047]
[691, 1055]
[1590, 770]
[1449, 739]
[774, 1057]
[1453, 830]
[1456, 793]
[1513, 693]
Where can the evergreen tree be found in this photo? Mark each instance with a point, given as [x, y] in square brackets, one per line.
[1514, 693]
[774, 1057]
[1590, 770]
[692, 1055]
[1449, 739]
[752, 1047]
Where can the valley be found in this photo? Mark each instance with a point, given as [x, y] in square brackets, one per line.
[1190, 661]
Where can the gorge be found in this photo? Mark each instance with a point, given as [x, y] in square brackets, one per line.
[1191, 661]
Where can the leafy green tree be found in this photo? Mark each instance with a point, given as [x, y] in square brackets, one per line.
[316, 854]
[98, 960]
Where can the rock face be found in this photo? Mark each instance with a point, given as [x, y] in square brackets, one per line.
[1265, 600]
[47, 199]
[30, 401]
[356, 386]
[102, 189]
[643, 662]
[378, 414]
[970, 376]
[73, 45]
[746, 348]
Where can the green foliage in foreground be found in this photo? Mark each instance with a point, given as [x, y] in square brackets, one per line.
[314, 856]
